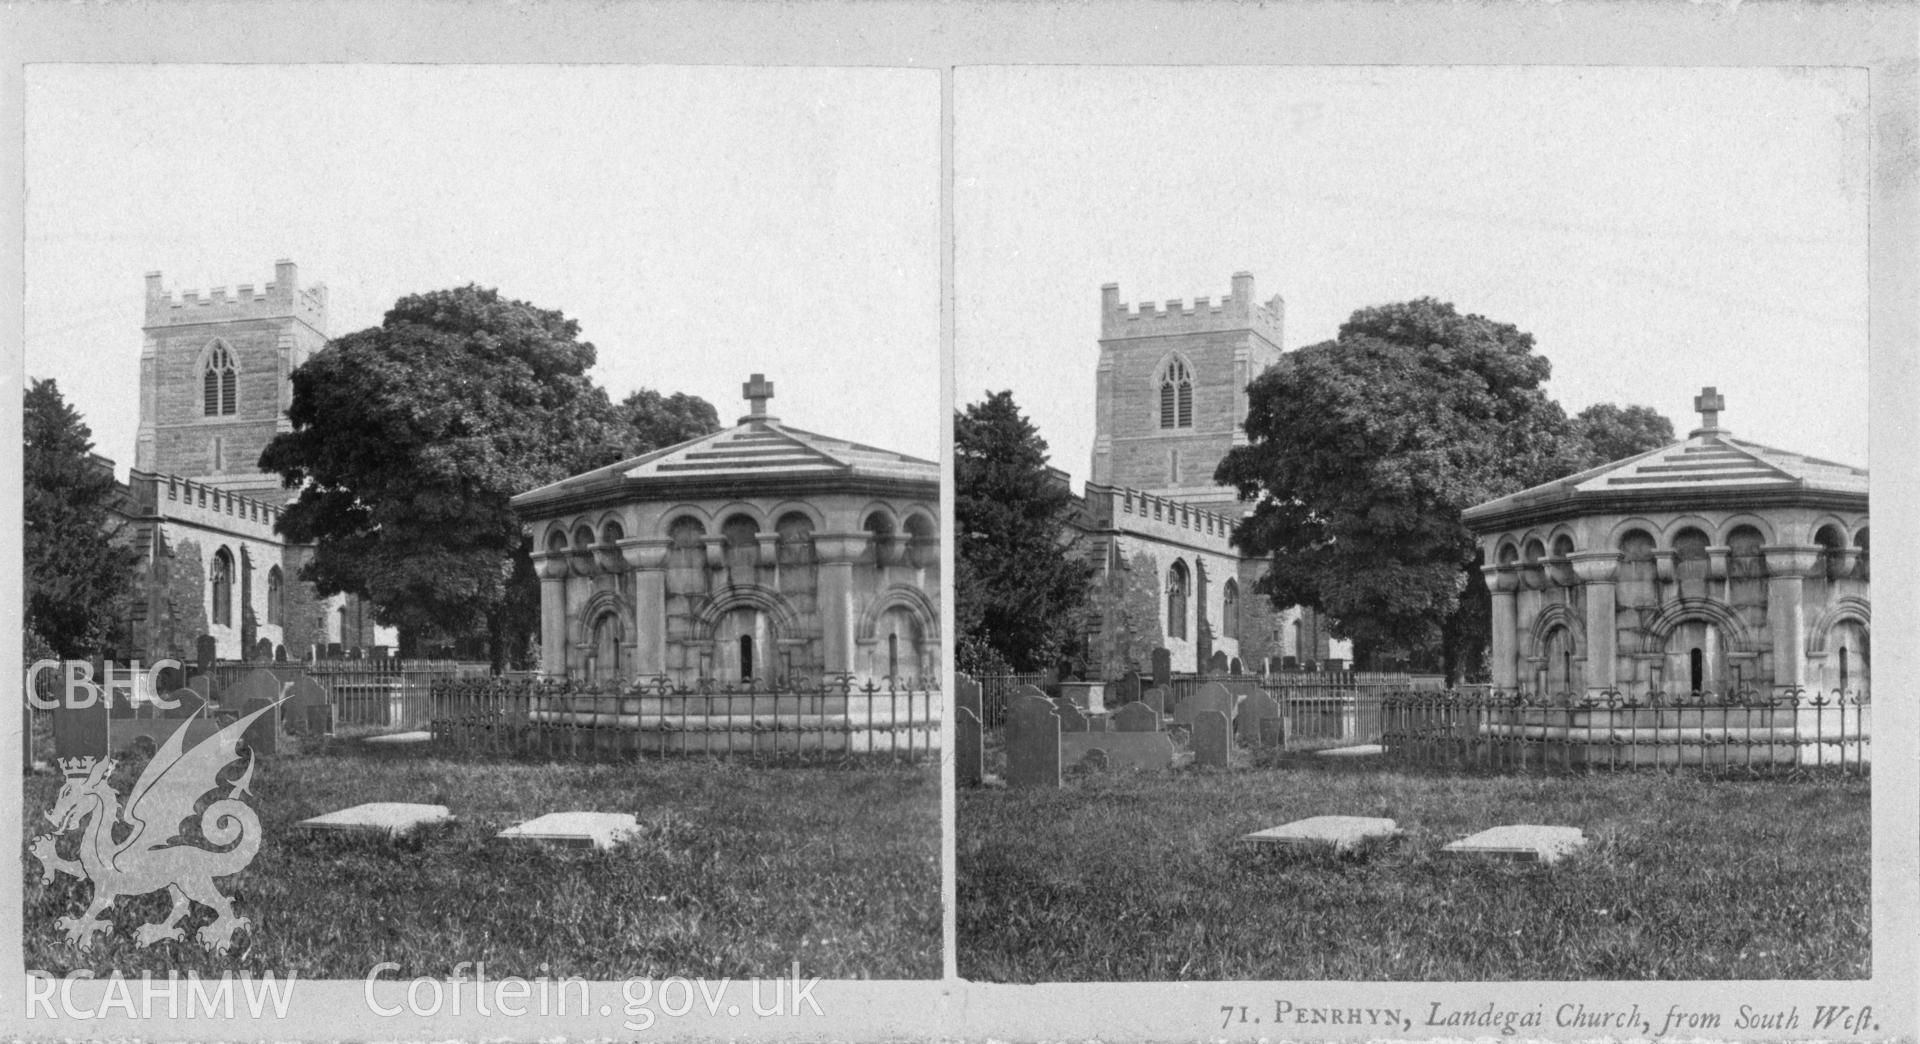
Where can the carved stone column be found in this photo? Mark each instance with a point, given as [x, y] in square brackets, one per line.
[1597, 571]
[1502, 581]
[835, 554]
[647, 560]
[1787, 569]
[553, 569]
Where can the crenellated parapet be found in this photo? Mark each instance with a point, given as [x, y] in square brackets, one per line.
[282, 298]
[183, 499]
[1138, 511]
[1237, 311]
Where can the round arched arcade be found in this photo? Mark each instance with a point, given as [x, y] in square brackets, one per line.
[1711, 565]
[760, 555]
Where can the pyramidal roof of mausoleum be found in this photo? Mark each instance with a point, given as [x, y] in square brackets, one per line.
[757, 453]
[1709, 468]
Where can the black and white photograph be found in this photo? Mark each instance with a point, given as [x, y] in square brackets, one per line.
[529, 476]
[1006, 521]
[1435, 496]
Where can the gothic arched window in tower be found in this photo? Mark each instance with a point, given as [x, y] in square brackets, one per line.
[219, 382]
[1177, 600]
[1176, 394]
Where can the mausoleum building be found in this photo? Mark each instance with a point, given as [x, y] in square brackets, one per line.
[1711, 565]
[759, 554]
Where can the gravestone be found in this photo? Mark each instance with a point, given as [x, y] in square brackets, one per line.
[1342, 832]
[1233, 665]
[1162, 669]
[1210, 741]
[205, 652]
[1526, 843]
[167, 679]
[1136, 717]
[1156, 698]
[262, 650]
[279, 654]
[264, 734]
[1033, 741]
[1071, 720]
[601, 830]
[1217, 663]
[333, 650]
[1259, 721]
[1121, 751]
[1094, 760]
[81, 731]
[391, 819]
[1212, 696]
[1126, 690]
[969, 756]
[187, 703]
[255, 684]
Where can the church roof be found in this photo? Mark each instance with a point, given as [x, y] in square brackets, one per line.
[758, 453]
[1709, 468]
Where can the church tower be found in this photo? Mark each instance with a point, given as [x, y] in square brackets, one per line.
[1171, 390]
[216, 378]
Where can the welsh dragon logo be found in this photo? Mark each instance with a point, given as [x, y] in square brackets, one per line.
[151, 855]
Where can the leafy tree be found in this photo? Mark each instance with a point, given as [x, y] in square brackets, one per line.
[78, 573]
[410, 437]
[1019, 588]
[1609, 432]
[1363, 452]
[663, 420]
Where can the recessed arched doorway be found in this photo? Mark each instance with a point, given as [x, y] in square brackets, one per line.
[743, 644]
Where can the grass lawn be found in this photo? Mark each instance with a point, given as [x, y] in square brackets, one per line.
[1141, 877]
[744, 869]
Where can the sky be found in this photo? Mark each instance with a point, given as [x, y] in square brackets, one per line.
[1656, 230]
[700, 223]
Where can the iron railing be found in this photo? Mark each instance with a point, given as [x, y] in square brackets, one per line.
[994, 690]
[525, 716]
[389, 693]
[1787, 730]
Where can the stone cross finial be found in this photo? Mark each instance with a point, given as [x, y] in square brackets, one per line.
[1709, 403]
[757, 391]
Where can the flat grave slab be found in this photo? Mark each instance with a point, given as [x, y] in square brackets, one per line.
[401, 738]
[602, 830]
[1342, 832]
[388, 818]
[1522, 842]
[1361, 751]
